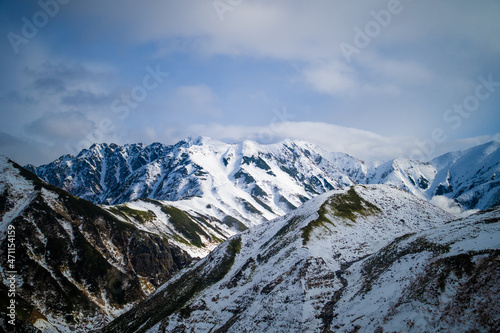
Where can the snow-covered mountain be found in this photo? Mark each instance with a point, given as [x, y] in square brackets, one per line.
[252, 183]
[248, 182]
[371, 258]
[75, 266]
[470, 176]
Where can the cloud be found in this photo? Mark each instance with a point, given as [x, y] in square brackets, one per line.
[361, 144]
[365, 145]
[60, 126]
[426, 60]
[196, 99]
[288, 29]
[74, 83]
[49, 85]
[18, 97]
[67, 72]
[81, 97]
[447, 204]
[200, 94]
[332, 78]
[24, 151]
[451, 206]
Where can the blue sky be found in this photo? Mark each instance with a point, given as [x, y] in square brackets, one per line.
[377, 79]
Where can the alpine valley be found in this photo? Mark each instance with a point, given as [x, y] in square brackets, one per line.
[206, 236]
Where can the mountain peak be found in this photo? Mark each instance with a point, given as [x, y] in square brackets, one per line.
[255, 182]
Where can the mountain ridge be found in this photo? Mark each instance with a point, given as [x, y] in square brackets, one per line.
[254, 183]
[365, 270]
[76, 265]
[296, 272]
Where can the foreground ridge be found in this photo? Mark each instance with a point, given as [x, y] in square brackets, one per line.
[76, 266]
[390, 261]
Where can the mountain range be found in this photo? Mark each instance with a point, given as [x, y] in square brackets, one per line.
[253, 183]
[292, 238]
[370, 258]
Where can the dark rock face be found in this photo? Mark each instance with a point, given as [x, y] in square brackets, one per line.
[77, 265]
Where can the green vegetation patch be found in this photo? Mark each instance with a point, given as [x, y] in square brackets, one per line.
[185, 225]
[347, 206]
[231, 222]
[138, 215]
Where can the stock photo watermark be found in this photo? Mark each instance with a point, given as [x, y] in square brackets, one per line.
[31, 26]
[11, 274]
[223, 6]
[122, 106]
[454, 117]
[372, 29]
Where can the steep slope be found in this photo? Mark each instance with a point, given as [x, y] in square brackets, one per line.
[191, 231]
[413, 176]
[444, 279]
[468, 176]
[282, 276]
[75, 265]
[248, 182]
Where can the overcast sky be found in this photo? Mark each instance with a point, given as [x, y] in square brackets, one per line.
[374, 79]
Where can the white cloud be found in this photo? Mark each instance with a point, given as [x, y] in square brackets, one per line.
[411, 72]
[332, 78]
[361, 144]
[289, 29]
[451, 206]
[398, 71]
[201, 94]
[447, 204]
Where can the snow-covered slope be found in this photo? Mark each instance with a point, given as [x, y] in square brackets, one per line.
[76, 266]
[468, 176]
[191, 231]
[410, 175]
[444, 279]
[294, 273]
